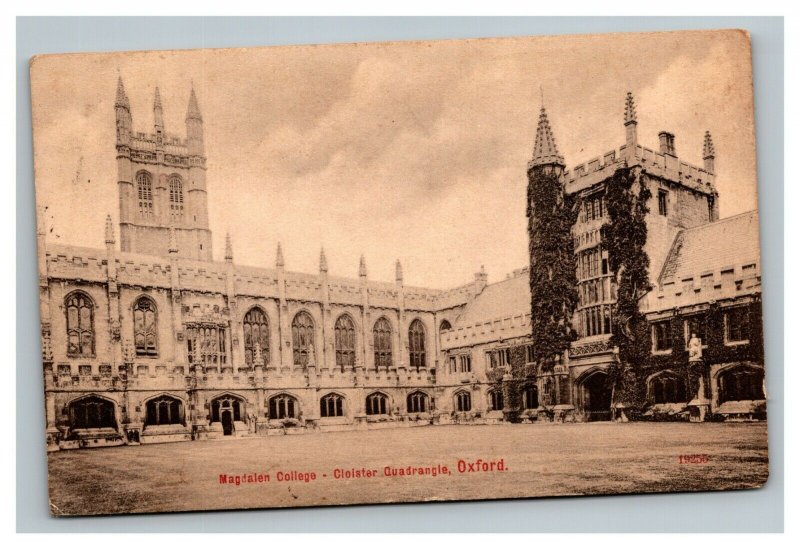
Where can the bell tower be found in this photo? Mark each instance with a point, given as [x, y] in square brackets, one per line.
[161, 179]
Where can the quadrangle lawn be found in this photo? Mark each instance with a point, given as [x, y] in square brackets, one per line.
[540, 460]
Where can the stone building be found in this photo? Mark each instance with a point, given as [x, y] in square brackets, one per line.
[156, 341]
[705, 279]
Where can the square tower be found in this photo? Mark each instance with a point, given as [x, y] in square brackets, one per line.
[162, 183]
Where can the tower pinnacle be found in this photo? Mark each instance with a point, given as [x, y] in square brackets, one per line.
[279, 257]
[193, 111]
[228, 247]
[631, 137]
[630, 109]
[398, 272]
[122, 97]
[109, 230]
[323, 261]
[173, 241]
[158, 113]
[362, 267]
[545, 150]
[708, 153]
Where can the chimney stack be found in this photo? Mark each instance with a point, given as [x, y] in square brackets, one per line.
[666, 142]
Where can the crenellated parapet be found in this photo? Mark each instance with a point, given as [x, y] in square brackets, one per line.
[665, 166]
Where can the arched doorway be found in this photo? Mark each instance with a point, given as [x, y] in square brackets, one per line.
[596, 397]
[227, 410]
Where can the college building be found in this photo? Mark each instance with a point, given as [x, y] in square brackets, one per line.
[152, 340]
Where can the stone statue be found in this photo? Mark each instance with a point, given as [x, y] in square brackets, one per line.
[695, 349]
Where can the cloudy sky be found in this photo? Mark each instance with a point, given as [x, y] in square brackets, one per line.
[406, 150]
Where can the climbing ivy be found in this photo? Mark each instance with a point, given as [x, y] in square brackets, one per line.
[625, 235]
[553, 281]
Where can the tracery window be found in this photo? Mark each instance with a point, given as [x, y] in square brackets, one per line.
[256, 335]
[164, 410]
[176, 196]
[80, 325]
[496, 400]
[92, 413]
[463, 401]
[593, 208]
[382, 343]
[417, 402]
[302, 337]
[668, 388]
[282, 406]
[331, 405]
[206, 345]
[344, 332]
[145, 327]
[377, 404]
[741, 383]
[416, 345]
[144, 189]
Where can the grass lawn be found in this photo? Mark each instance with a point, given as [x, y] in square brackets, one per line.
[540, 460]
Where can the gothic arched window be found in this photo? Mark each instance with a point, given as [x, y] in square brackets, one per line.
[92, 413]
[80, 325]
[382, 343]
[302, 337]
[741, 383]
[377, 404]
[256, 335]
[344, 332]
[145, 328]
[463, 401]
[667, 388]
[417, 402]
[144, 189]
[164, 410]
[331, 405]
[282, 406]
[416, 345]
[176, 196]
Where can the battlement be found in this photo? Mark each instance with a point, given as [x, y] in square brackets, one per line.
[669, 167]
[494, 330]
[66, 262]
[727, 283]
[147, 142]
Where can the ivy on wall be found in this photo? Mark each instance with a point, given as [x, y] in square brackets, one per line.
[715, 351]
[553, 280]
[625, 235]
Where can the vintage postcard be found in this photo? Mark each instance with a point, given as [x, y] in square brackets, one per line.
[399, 272]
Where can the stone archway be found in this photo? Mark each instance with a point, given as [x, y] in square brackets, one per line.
[596, 396]
[227, 409]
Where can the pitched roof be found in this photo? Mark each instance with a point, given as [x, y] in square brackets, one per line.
[509, 297]
[712, 247]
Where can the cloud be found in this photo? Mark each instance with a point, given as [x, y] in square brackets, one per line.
[415, 151]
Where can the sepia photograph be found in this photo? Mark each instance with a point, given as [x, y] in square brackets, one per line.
[399, 272]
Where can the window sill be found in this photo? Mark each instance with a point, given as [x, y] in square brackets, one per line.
[737, 343]
[661, 353]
